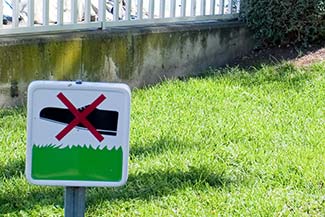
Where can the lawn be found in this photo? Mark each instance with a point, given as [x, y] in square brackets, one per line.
[231, 142]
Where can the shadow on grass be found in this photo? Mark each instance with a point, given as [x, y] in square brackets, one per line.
[275, 55]
[267, 65]
[16, 195]
[17, 201]
[161, 182]
[16, 111]
[283, 75]
[158, 147]
[146, 186]
[12, 169]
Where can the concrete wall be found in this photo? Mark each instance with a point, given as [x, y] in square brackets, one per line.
[138, 55]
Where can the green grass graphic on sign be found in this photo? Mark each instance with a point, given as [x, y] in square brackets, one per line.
[76, 163]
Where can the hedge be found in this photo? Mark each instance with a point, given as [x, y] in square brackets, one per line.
[277, 22]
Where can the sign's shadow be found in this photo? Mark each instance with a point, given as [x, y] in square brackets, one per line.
[143, 186]
[160, 182]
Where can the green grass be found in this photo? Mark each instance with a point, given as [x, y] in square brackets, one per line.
[232, 142]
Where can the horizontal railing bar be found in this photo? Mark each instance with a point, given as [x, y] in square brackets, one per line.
[50, 28]
[175, 20]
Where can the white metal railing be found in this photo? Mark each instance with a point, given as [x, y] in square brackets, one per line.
[34, 16]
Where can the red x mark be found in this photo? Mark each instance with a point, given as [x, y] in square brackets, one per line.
[80, 117]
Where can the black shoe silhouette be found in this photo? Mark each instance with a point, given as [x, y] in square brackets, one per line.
[104, 121]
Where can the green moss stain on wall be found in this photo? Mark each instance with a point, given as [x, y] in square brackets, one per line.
[119, 51]
[157, 41]
[92, 59]
[27, 62]
[10, 63]
[64, 59]
[198, 36]
[117, 55]
[227, 35]
[33, 62]
[138, 56]
[5, 71]
[122, 56]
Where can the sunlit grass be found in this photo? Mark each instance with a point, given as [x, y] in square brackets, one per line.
[231, 142]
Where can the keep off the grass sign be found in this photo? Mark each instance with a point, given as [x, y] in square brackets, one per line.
[77, 134]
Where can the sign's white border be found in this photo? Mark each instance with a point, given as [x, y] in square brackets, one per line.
[69, 85]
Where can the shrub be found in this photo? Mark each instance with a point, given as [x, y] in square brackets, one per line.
[277, 22]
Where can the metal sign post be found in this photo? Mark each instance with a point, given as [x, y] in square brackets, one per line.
[74, 201]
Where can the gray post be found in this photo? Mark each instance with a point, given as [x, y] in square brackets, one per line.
[74, 201]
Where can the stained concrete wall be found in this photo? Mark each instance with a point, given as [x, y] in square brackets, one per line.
[139, 55]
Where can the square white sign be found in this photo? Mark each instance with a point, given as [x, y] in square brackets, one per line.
[77, 133]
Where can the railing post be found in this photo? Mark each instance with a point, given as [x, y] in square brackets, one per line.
[193, 8]
[128, 10]
[162, 9]
[15, 13]
[59, 12]
[139, 9]
[116, 10]
[102, 12]
[87, 11]
[183, 8]
[172, 8]
[203, 5]
[74, 12]
[30, 13]
[212, 7]
[221, 6]
[151, 9]
[230, 6]
[45, 12]
[1, 13]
